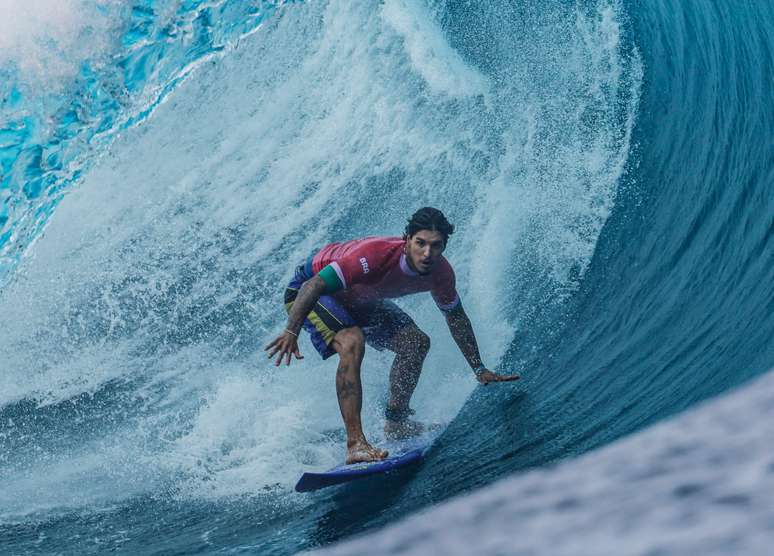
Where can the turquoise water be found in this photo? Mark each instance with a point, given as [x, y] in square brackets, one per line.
[54, 123]
[608, 165]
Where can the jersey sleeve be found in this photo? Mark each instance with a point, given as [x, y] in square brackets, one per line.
[363, 265]
[444, 290]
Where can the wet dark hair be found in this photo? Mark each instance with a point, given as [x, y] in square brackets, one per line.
[429, 218]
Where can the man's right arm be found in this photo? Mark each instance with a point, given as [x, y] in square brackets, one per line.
[286, 344]
[310, 292]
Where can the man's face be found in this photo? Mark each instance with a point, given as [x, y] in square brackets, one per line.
[423, 250]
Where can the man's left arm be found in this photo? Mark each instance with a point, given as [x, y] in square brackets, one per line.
[462, 331]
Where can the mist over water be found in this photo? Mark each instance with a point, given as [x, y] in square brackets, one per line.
[218, 144]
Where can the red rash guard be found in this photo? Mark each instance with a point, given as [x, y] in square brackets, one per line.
[376, 268]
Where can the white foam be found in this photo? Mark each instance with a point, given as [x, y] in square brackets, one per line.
[47, 39]
[442, 68]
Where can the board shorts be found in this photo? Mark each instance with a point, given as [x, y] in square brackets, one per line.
[379, 320]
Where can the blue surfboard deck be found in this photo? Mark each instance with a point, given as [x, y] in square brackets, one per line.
[400, 456]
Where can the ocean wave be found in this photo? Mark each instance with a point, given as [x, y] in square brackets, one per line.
[613, 209]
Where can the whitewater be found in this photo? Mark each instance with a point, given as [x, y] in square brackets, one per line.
[165, 164]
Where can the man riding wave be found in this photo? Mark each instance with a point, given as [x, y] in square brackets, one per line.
[341, 297]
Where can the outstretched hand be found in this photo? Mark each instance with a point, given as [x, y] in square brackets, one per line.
[284, 346]
[487, 376]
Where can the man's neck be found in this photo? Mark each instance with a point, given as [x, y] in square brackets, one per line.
[410, 264]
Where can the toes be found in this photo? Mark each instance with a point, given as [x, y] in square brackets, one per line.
[366, 454]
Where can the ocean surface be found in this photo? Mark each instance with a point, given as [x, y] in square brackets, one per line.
[164, 164]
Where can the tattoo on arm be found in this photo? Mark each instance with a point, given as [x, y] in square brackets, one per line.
[308, 295]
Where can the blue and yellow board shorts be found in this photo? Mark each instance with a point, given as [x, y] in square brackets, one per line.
[379, 320]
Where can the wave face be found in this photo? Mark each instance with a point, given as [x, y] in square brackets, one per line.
[700, 483]
[608, 168]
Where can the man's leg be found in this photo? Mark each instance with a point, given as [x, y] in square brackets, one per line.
[410, 346]
[349, 343]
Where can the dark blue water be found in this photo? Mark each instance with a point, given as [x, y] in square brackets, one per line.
[609, 165]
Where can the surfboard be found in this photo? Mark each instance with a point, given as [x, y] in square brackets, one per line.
[401, 455]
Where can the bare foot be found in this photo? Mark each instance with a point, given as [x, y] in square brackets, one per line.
[364, 452]
[400, 430]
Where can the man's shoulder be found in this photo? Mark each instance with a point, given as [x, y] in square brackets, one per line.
[381, 243]
[378, 250]
[370, 242]
[372, 245]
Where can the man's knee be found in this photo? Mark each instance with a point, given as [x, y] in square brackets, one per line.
[350, 342]
[412, 341]
[422, 342]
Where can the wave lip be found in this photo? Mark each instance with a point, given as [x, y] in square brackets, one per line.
[74, 74]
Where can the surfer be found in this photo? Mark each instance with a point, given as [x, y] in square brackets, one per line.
[341, 296]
